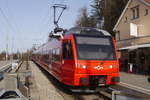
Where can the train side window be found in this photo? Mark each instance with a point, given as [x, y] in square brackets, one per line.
[57, 54]
[67, 51]
[46, 58]
[51, 57]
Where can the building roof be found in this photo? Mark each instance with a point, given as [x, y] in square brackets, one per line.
[146, 2]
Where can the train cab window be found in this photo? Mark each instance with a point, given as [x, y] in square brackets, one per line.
[95, 47]
[67, 50]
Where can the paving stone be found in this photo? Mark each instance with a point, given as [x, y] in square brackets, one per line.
[42, 88]
[136, 80]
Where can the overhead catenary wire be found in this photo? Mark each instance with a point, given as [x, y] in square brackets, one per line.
[44, 21]
[17, 26]
[7, 21]
[42, 28]
[10, 28]
[53, 1]
[62, 1]
[46, 18]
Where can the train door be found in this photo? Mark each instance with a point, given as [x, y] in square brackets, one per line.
[56, 63]
[68, 63]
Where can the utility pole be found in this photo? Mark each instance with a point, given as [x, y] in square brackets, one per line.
[12, 48]
[7, 47]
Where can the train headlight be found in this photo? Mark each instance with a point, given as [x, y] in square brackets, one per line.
[84, 67]
[111, 66]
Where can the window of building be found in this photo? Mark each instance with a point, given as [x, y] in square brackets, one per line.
[146, 12]
[135, 12]
[126, 19]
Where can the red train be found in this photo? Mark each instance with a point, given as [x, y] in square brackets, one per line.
[80, 57]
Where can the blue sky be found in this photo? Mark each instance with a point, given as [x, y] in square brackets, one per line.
[28, 22]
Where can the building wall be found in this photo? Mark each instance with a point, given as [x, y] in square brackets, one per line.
[143, 23]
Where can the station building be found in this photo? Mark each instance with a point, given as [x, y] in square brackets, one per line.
[133, 37]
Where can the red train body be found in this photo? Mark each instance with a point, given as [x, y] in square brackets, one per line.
[83, 57]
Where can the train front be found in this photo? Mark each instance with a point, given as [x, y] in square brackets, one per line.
[96, 60]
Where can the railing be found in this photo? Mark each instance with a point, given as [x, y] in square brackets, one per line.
[133, 41]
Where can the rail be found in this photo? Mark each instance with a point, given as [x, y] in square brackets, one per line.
[129, 94]
[16, 70]
[5, 68]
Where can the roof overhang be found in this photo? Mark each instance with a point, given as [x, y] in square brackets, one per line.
[145, 2]
[135, 47]
[122, 14]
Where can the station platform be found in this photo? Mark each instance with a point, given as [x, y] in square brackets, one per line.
[135, 81]
[42, 87]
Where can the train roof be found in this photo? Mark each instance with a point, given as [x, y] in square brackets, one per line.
[87, 31]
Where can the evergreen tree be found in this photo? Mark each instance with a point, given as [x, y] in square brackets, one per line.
[98, 12]
[108, 11]
[84, 20]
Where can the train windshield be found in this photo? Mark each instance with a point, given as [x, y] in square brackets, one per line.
[95, 48]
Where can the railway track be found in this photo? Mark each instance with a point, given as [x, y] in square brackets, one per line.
[116, 91]
[12, 82]
[9, 68]
[6, 68]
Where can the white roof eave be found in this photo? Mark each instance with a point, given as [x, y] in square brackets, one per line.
[122, 14]
[135, 47]
[146, 3]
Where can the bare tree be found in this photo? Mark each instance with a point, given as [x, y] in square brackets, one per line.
[3, 55]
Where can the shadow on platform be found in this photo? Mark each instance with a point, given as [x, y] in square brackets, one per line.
[55, 82]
